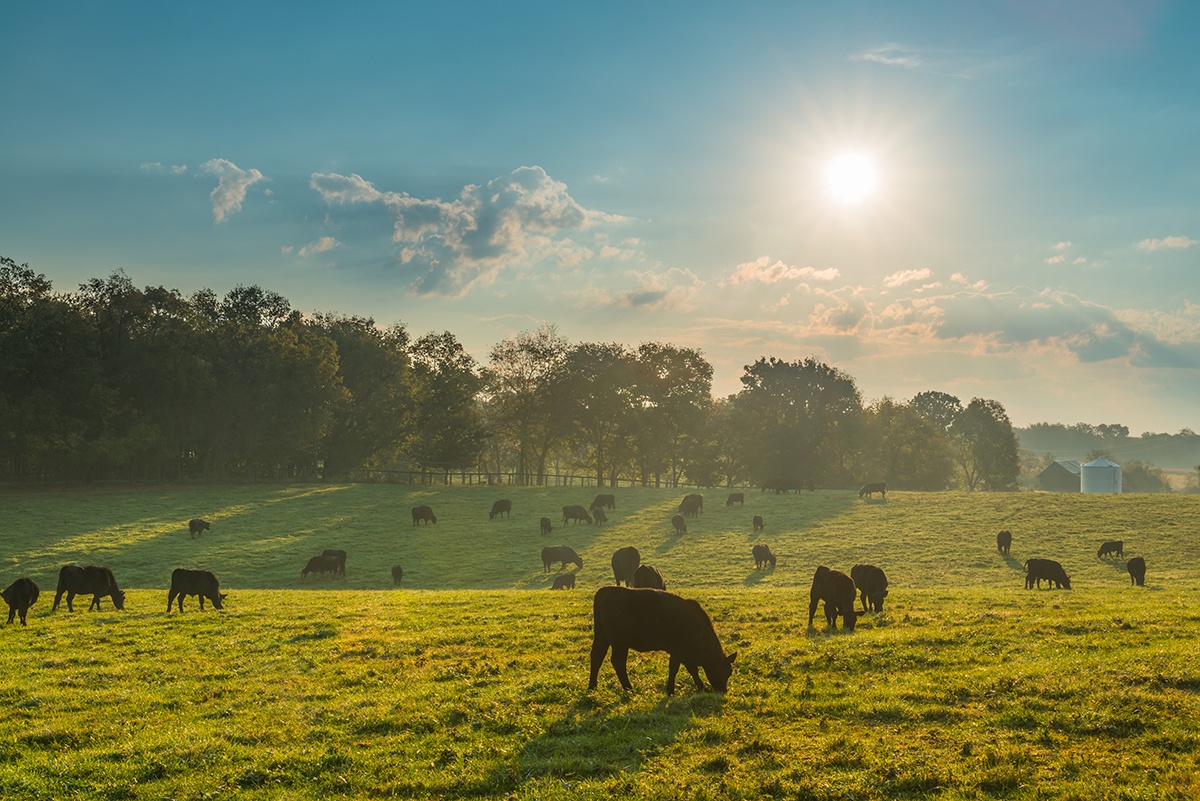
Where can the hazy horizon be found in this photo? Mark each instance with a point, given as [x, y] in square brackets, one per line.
[1030, 229]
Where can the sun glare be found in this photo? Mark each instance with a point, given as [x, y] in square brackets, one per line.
[851, 178]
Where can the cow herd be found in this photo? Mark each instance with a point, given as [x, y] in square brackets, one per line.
[1052, 572]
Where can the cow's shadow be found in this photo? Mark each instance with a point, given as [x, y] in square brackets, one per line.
[757, 576]
[1013, 563]
[593, 740]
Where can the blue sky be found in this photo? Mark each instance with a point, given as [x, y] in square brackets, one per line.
[649, 171]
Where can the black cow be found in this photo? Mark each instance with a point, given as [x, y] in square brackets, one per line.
[320, 564]
[194, 582]
[736, 497]
[340, 556]
[1136, 567]
[20, 595]
[503, 507]
[762, 555]
[872, 584]
[564, 582]
[1048, 569]
[1004, 541]
[607, 501]
[600, 516]
[680, 524]
[625, 563]
[691, 505]
[758, 523]
[88, 580]
[871, 489]
[561, 554]
[546, 525]
[648, 577]
[422, 514]
[1113, 547]
[653, 620]
[836, 589]
[196, 527]
[575, 513]
[397, 574]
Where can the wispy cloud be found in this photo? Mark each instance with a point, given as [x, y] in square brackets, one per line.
[232, 183]
[157, 166]
[1167, 243]
[453, 244]
[322, 245]
[940, 62]
[764, 271]
[906, 276]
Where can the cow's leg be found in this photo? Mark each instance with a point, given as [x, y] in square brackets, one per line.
[599, 649]
[831, 613]
[95, 604]
[695, 671]
[812, 610]
[201, 602]
[619, 659]
[12, 611]
[671, 671]
[24, 611]
[171, 599]
[70, 599]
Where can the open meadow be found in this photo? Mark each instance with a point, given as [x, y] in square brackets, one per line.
[469, 681]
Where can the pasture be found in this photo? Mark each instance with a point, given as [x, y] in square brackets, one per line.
[469, 681]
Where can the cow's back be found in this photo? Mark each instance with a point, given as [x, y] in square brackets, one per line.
[650, 620]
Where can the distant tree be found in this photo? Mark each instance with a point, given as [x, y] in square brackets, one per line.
[1139, 476]
[940, 410]
[801, 420]
[601, 397]
[449, 426]
[903, 448]
[985, 447]
[524, 384]
[719, 454]
[673, 392]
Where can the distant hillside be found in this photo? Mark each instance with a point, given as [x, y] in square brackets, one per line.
[1171, 451]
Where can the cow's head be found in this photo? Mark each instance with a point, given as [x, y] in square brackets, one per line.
[118, 598]
[849, 618]
[218, 601]
[719, 671]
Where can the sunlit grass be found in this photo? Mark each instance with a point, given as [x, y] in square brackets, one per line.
[466, 684]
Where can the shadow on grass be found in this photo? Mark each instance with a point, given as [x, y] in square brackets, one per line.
[1014, 564]
[592, 740]
[756, 576]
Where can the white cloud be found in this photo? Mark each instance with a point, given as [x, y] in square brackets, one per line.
[1063, 245]
[322, 245]
[521, 217]
[1059, 259]
[1167, 243]
[906, 276]
[157, 166]
[892, 55]
[672, 289]
[763, 271]
[232, 183]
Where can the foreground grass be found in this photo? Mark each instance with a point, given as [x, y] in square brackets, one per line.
[464, 694]
[465, 684]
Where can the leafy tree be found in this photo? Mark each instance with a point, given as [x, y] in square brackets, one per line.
[941, 410]
[904, 449]
[985, 447]
[524, 392]
[601, 397]
[719, 454]
[449, 426]
[673, 388]
[1139, 476]
[801, 418]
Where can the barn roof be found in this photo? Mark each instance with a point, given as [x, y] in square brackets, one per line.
[1101, 462]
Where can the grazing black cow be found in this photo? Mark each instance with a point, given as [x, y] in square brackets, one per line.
[625, 563]
[758, 523]
[600, 516]
[397, 574]
[871, 489]
[194, 582]
[1136, 567]
[575, 513]
[607, 501]
[1112, 547]
[1048, 569]
[762, 555]
[872, 583]
[648, 577]
[836, 589]
[503, 507]
[320, 564]
[20, 595]
[564, 582]
[88, 580]
[1004, 541]
[736, 497]
[680, 524]
[196, 527]
[340, 556]
[773, 484]
[423, 514]
[546, 525]
[653, 620]
[809, 484]
[691, 505]
[561, 554]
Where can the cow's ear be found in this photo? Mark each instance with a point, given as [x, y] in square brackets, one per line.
[733, 657]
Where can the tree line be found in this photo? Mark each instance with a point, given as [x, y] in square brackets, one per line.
[116, 382]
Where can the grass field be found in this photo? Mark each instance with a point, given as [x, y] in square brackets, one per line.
[470, 680]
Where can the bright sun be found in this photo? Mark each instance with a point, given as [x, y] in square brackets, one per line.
[851, 178]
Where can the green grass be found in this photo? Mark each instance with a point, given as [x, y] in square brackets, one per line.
[467, 684]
